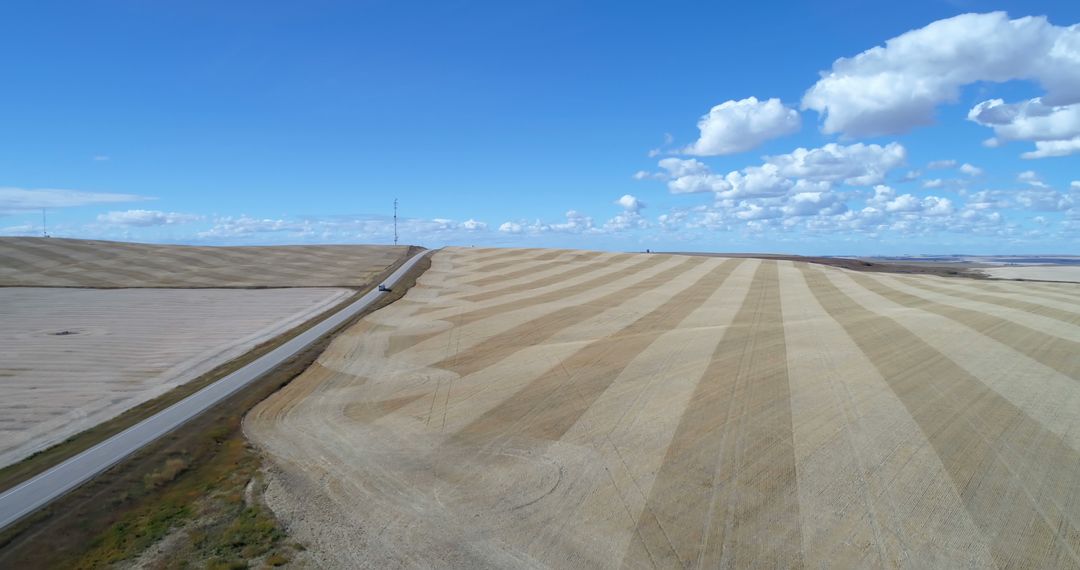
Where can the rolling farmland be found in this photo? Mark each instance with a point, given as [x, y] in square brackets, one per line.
[55, 262]
[567, 409]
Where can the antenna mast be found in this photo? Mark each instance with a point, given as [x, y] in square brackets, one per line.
[395, 221]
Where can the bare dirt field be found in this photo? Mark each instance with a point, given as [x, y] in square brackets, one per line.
[1069, 273]
[55, 262]
[566, 409]
[72, 358]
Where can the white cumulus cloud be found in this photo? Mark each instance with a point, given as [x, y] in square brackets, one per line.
[1030, 177]
[939, 164]
[1044, 200]
[146, 218]
[510, 228]
[737, 126]
[30, 199]
[971, 170]
[857, 164]
[677, 167]
[1044, 149]
[630, 203]
[892, 88]
[1054, 129]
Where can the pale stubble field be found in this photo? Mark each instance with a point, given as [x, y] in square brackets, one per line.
[90, 329]
[553, 408]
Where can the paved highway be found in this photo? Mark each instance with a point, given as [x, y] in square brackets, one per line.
[35, 493]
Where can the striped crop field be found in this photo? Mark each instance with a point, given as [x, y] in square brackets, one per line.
[56, 262]
[570, 409]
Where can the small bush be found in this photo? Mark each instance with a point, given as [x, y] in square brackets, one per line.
[173, 467]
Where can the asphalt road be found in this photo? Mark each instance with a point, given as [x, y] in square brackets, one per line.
[35, 493]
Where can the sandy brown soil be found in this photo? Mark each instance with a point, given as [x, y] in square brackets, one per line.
[72, 358]
[55, 262]
[531, 408]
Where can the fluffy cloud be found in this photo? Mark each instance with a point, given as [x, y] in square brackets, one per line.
[884, 213]
[933, 183]
[737, 126]
[751, 211]
[939, 164]
[987, 199]
[857, 164]
[678, 167]
[1044, 149]
[1054, 129]
[1044, 200]
[473, 225]
[1030, 177]
[334, 229]
[25, 199]
[971, 170]
[511, 228]
[146, 218]
[576, 223]
[1030, 120]
[755, 182]
[630, 218]
[626, 221]
[892, 88]
[814, 203]
[936, 206]
[689, 176]
[630, 203]
[886, 200]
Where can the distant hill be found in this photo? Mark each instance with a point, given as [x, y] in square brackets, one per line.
[57, 262]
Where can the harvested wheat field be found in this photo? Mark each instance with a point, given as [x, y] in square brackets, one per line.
[55, 262]
[73, 358]
[567, 409]
[1069, 273]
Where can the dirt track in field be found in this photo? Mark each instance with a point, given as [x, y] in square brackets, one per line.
[56, 262]
[566, 409]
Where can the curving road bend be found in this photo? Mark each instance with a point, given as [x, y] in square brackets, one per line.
[35, 493]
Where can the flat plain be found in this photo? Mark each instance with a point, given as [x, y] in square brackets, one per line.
[569, 409]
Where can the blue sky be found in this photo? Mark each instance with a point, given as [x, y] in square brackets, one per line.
[287, 122]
